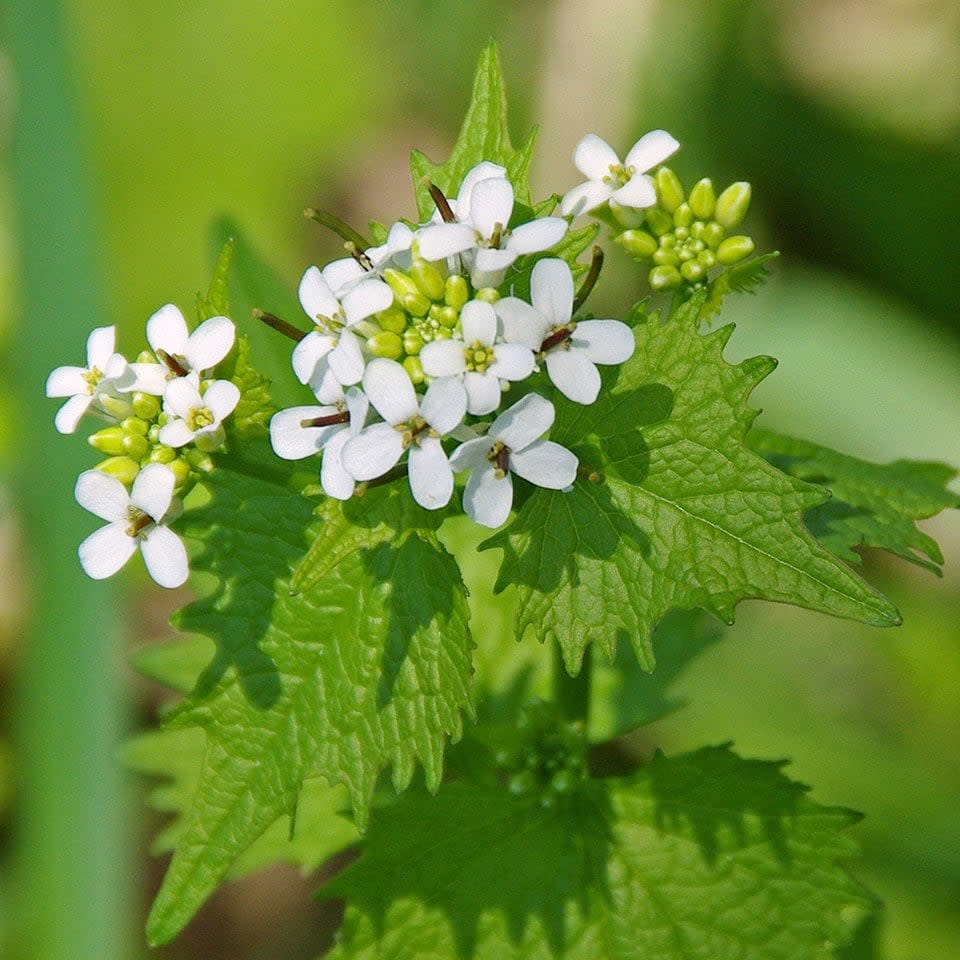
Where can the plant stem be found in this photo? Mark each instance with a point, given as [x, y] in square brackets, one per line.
[572, 694]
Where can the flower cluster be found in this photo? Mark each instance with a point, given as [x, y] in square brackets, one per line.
[164, 418]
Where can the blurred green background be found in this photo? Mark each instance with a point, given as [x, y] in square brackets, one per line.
[126, 127]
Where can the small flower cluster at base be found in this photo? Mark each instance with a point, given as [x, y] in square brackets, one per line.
[164, 419]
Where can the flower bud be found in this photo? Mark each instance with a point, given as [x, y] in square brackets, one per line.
[162, 454]
[442, 333]
[669, 189]
[414, 370]
[708, 258]
[660, 221]
[386, 344]
[145, 405]
[692, 271]
[145, 356]
[135, 425]
[665, 255]
[428, 278]
[400, 283]
[412, 343]
[197, 459]
[732, 205]
[393, 319]
[118, 407]
[181, 470]
[448, 317]
[664, 277]
[639, 243]
[416, 304]
[123, 469]
[109, 440]
[683, 215]
[703, 199]
[136, 446]
[455, 291]
[734, 249]
[487, 294]
[713, 234]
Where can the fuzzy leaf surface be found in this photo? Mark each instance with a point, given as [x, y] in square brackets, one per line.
[367, 667]
[873, 505]
[484, 135]
[704, 856]
[685, 515]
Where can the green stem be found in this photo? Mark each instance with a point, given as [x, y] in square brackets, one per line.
[572, 694]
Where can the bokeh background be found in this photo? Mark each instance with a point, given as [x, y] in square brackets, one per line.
[126, 126]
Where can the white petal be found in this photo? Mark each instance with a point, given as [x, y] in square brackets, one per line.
[487, 498]
[308, 353]
[334, 479]
[325, 386]
[167, 331]
[593, 157]
[472, 453]
[489, 266]
[439, 240]
[431, 479]
[358, 406]
[551, 291]
[388, 386]
[340, 274]
[521, 323]
[315, 295]
[638, 192]
[443, 358]
[221, 398]
[106, 550]
[444, 405]
[478, 320]
[67, 382]
[483, 392]
[153, 490]
[573, 375]
[546, 464]
[537, 235]
[366, 298]
[399, 240]
[346, 359]
[485, 170]
[104, 496]
[100, 347]
[651, 150]
[373, 452]
[513, 361]
[117, 371]
[69, 415]
[491, 204]
[176, 434]
[518, 426]
[165, 556]
[585, 197]
[293, 441]
[182, 396]
[603, 341]
[210, 343]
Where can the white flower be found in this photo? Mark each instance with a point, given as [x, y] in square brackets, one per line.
[133, 520]
[622, 184]
[106, 373]
[395, 252]
[483, 209]
[182, 354]
[571, 350]
[512, 445]
[477, 359]
[409, 425]
[195, 417]
[330, 356]
[299, 432]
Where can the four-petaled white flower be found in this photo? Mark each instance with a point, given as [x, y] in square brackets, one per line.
[194, 417]
[622, 184]
[409, 426]
[299, 432]
[571, 350]
[181, 353]
[512, 444]
[477, 358]
[135, 519]
[483, 209]
[106, 372]
[330, 356]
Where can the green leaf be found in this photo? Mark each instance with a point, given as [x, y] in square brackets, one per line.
[483, 136]
[517, 281]
[216, 302]
[743, 277]
[873, 505]
[704, 856]
[367, 667]
[672, 509]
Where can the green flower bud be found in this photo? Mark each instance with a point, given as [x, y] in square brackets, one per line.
[414, 369]
[669, 189]
[181, 470]
[428, 278]
[448, 317]
[110, 440]
[713, 234]
[145, 356]
[666, 255]
[732, 205]
[386, 344]
[665, 277]
[123, 469]
[455, 291]
[118, 407]
[563, 781]
[683, 215]
[145, 406]
[703, 199]
[522, 783]
[136, 446]
[487, 295]
[400, 283]
[412, 343]
[135, 425]
[442, 333]
[198, 460]
[708, 258]
[161, 454]
[639, 243]
[734, 249]
[659, 220]
[416, 304]
[434, 312]
[692, 271]
[393, 319]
